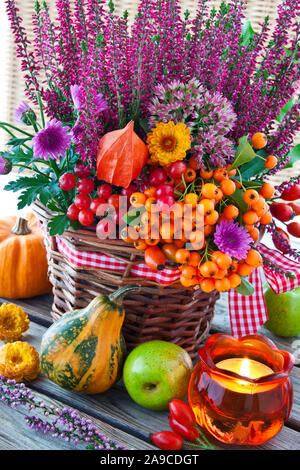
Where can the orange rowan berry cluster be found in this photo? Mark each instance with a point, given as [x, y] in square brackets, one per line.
[179, 213]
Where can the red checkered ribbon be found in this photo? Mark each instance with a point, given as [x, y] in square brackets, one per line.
[249, 313]
[87, 259]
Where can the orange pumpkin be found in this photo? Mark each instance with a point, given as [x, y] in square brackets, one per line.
[23, 260]
[121, 156]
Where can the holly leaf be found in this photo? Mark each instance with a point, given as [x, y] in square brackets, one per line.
[245, 288]
[58, 224]
[244, 153]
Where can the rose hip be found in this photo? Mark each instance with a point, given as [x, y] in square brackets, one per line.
[281, 211]
[294, 229]
[280, 245]
[182, 412]
[167, 440]
[291, 194]
[188, 433]
[295, 207]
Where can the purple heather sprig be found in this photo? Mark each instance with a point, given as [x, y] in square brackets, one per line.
[287, 184]
[92, 46]
[28, 62]
[232, 239]
[277, 237]
[65, 423]
[66, 45]
[277, 269]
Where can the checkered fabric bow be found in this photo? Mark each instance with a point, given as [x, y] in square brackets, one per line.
[249, 313]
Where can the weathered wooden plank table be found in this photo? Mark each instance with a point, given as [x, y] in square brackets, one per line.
[114, 413]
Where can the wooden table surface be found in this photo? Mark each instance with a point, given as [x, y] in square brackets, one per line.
[114, 413]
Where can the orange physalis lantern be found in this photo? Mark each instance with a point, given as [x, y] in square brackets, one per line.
[121, 156]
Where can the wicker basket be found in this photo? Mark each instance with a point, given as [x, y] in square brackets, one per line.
[170, 313]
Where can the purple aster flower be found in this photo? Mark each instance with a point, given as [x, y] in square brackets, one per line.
[5, 166]
[52, 141]
[78, 99]
[76, 132]
[23, 112]
[232, 239]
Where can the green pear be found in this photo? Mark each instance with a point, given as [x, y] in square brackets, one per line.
[155, 372]
[283, 312]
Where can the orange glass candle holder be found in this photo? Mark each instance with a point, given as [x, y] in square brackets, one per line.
[240, 390]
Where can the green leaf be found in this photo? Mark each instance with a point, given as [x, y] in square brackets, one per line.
[15, 141]
[295, 154]
[245, 288]
[237, 197]
[247, 33]
[52, 206]
[58, 224]
[244, 153]
[143, 123]
[253, 168]
[32, 187]
[285, 109]
[17, 155]
[133, 216]
[255, 184]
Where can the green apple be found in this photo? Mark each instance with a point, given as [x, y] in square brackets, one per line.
[155, 372]
[283, 312]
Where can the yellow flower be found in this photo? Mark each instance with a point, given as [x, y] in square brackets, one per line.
[168, 142]
[13, 322]
[19, 361]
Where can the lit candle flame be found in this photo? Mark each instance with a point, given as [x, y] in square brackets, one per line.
[245, 368]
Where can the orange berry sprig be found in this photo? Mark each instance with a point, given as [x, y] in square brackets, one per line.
[258, 210]
[164, 235]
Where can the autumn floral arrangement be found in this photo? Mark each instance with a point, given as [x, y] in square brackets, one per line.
[183, 116]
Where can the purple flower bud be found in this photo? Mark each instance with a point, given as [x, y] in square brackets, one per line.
[24, 114]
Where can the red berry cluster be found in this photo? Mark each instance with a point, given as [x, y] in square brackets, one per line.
[285, 212]
[85, 206]
[183, 424]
